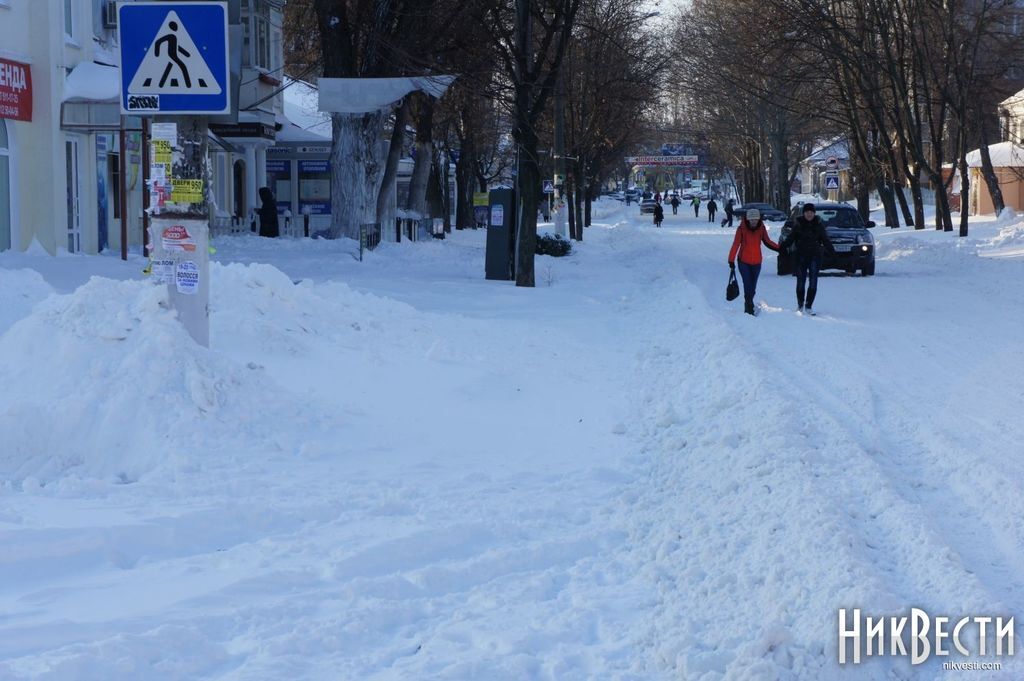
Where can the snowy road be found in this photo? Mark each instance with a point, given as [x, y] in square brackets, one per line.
[418, 474]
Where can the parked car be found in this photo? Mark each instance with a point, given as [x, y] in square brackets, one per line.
[853, 243]
[647, 206]
[768, 211]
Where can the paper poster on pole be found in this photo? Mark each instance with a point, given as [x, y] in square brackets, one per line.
[497, 215]
[162, 270]
[166, 132]
[186, 278]
[177, 238]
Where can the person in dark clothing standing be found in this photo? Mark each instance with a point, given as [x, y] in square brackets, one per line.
[728, 213]
[712, 209]
[675, 204]
[659, 214]
[747, 245]
[810, 241]
[268, 213]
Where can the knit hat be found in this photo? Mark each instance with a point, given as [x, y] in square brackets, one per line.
[808, 207]
[753, 214]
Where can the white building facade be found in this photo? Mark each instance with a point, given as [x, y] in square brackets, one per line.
[61, 171]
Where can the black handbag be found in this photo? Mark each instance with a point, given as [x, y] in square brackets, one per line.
[732, 291]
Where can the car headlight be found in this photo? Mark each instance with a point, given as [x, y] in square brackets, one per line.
[865, 239]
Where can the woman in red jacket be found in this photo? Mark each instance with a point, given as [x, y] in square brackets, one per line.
[749, 236]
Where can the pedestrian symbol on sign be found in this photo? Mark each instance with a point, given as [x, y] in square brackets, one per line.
[173, 65]
[549, 187]
[831, 182]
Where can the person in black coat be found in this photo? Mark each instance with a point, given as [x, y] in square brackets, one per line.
[712, 209]
[810, 242]
[659, 214]
[268, 213]
[675, 204]
[729, 212]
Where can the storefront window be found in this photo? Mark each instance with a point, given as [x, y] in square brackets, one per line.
[315, 187]
[279, 179]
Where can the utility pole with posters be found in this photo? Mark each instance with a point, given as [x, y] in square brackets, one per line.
[175, 69]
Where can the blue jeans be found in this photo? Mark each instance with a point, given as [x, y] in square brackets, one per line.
[807, 273]
[749, 274]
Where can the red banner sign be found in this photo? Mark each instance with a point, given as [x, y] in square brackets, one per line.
[15, 90]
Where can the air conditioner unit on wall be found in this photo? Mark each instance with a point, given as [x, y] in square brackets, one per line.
[110, 14]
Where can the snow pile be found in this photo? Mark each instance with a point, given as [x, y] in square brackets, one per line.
[1009, 239]
[608, 210]
[263, 312]
[105, 383]
[22, 290]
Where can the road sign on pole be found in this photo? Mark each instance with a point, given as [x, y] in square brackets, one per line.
[832, 163]
[174, 58]
[831, 181]
[549, 187]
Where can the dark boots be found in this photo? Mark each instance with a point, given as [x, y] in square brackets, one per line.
[810, 298]
[748, 306]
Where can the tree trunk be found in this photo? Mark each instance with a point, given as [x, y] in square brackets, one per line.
[588, 209]
[885, 193]
[465, 184]
[965, 188]
[915, 193]
[863, 201]
[987, 172]
[901, 197]
[385, 202]
[357, 164]
[529, 182]
[417, 200]
[570, 203]
[942, 215]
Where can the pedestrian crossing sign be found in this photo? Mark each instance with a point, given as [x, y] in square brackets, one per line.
[831, 182]
[174, 58]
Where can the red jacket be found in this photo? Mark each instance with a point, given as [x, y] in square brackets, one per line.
[748, 243]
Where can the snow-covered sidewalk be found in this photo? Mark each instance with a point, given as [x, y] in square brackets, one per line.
[397, 470]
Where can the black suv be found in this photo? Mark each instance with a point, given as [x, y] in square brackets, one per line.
[853, 243]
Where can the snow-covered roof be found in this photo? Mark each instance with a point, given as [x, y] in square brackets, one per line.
[91, 82]
[838, 148]
[1004, 155]
[1014, 101]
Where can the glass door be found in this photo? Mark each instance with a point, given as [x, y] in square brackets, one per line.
[5, 188]
[74, 196]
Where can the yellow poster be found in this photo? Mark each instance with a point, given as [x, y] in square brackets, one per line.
[161, 152]
[481, 198]
[186, 191]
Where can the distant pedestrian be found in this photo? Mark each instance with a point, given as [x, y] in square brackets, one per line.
[675, 204]
[657, 197]
[659, 214]
[729, 211]
[696, 206]
[629, 195]
[268, 213]
[712, 209]
[747, 244]
[810, 241]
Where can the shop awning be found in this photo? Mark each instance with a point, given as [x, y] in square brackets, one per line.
[91, 94]
[366, 95]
